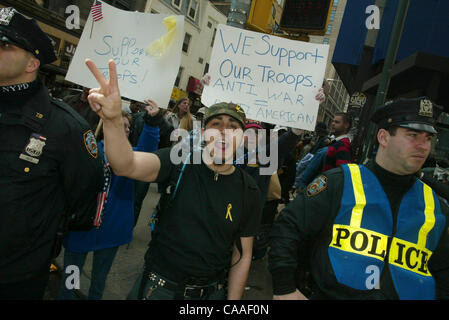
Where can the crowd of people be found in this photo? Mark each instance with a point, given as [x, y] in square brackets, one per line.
[74, 173]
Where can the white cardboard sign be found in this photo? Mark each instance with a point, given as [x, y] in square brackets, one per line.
[273, 79]
[123, 36]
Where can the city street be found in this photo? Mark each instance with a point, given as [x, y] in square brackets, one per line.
[129, 262]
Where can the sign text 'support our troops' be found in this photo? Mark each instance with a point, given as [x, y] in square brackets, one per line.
[275, 80]
[126, 55]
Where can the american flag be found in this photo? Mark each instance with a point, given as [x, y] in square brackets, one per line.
[102, 196]
[97, 14]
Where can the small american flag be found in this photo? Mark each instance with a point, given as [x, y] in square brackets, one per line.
[102, 196]
[97, 14]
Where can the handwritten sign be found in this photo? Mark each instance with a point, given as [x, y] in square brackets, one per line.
[123, 36]
[273, 79]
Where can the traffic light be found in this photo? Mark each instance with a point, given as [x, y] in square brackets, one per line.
[264, 14]
[306, 16]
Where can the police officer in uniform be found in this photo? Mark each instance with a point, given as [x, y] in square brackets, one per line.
[374, 231]
[49, 163]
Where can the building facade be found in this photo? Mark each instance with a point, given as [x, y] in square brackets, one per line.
[337, 94]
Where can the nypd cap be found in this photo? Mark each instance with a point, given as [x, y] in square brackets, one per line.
[418, 114]
[229, 109]
[25, 33]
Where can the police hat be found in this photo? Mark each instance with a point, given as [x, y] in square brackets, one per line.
[24, 32]
[418, 114]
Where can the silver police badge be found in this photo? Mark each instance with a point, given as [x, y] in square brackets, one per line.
[426, 108]
[35, 146]
[33, 150]
[6, 15]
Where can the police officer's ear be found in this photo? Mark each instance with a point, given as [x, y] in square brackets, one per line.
[33, 64]
[382, 137]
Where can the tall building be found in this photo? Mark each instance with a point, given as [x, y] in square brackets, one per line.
[337, 94]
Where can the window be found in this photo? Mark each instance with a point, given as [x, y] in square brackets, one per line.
[200, 60]
[326, 40]
[329, 29]
[209, 24]
[206, 69]
[332, 17]
[185, 45]
[178, 77]
[121, 4]
[192, 9]
[335, 3]
[176, 4]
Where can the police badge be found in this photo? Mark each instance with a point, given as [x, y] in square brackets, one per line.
[33, 150]
[6, 15]
[426, 108]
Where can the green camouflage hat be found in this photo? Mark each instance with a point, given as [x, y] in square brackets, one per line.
[229, 109]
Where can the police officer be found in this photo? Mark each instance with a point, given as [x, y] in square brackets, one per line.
[49, 163]
[375, 231]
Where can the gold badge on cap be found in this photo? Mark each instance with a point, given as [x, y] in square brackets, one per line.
[426, 108]
[239, 109]
[6, 15]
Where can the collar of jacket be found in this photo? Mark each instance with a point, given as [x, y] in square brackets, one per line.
[34, 110]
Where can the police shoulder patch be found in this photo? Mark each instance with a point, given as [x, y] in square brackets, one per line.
[91, 143]
[316, 186]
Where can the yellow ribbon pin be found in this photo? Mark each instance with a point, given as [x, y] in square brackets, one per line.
[159, 46]
[228, 213]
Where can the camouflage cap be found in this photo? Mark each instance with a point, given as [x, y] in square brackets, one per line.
[229, 109]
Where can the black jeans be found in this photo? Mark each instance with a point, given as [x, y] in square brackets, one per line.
[153, 291]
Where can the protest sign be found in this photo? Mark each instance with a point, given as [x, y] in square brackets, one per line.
[273, 79]
[124, 36]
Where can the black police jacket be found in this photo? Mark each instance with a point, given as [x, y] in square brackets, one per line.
[49, 166]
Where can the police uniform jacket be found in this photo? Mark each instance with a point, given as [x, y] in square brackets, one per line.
[343, 257]
[49, 166]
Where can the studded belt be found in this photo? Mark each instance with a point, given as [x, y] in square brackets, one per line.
[188, 291]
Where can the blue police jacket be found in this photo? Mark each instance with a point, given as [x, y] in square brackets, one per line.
[365, 238]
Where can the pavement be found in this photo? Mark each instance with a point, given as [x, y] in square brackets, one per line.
[129, 261]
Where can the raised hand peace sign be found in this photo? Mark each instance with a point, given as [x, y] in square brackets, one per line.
[106, 100]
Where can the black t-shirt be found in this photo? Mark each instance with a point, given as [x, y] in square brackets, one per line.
[196, 234]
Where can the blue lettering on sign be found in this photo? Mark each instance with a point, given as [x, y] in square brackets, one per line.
[235, 47]
[122, 50]
[269, 114]
[288, 55]
[270, 76]
[126, 75]
[284, 97]
[235, 86]
[125, 54]
[227, 69]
